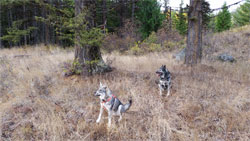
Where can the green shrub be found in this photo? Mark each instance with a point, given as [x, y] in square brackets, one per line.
[152, 38]
[154, 47]
[136, 49]
[169, 44]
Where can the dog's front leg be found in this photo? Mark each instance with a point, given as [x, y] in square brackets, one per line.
[120, 117]
[109, 118]
[100, 114]
[168, 92]
[160, 89]
[169, 85]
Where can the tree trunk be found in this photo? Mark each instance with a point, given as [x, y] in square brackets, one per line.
[194, 37]
[165, 6]
[43, 25]
[0, 36]
[35, 35]
[133, 11]
[45, 28]
[170, 19]
[88, 58]
[104, 15]
[24, 24]
[125, 9]
[121, 12]
[47, 37]
[0, 33]
[10, 20]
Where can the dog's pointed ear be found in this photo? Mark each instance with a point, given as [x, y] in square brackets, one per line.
[164, 66]
[109, 91]
[104, 86]
[100, 84]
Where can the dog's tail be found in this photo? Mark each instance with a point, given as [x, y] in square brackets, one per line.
[126, 106]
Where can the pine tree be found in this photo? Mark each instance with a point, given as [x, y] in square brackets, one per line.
[88, 58]
[206, 12]
[14, 22]
[15, 34]
[242, 15]
[223, 20]
[149, 15]
[181, 24]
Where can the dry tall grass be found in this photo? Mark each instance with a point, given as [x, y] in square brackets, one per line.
[209, 102]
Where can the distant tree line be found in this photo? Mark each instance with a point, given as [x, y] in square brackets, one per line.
[241, 16]
[28, 22]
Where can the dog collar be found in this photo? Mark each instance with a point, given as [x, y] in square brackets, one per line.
[113, 96]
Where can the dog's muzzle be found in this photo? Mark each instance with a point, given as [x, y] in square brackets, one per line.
[159, 73]
[97, 94]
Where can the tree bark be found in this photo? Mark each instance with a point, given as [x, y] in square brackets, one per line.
[85, 55]
[47, 37]
[170, 19]
[43, 25]
[194, 37]
[10, 21]
[166, 6]
[104, 15]
[121, 2]
[24, 24]
[0, 30]
[133, 11]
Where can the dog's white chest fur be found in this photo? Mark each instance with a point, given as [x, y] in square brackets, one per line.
[163, 82]
[108, 108]
[105, 105]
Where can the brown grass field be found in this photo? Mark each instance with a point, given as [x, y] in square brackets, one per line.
[208, 102]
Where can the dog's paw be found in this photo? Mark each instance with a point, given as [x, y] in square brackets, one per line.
[168, 94]
[109, 125]
[98, 120]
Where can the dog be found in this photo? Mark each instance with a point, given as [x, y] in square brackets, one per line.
[164, 82]
[111, 103]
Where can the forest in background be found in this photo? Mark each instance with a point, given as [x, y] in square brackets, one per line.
[29, 22]
[42, 96]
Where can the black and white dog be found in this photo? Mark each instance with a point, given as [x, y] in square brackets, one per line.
[111, 103]
[164, 82]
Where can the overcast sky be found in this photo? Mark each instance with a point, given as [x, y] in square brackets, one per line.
[213, 3]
